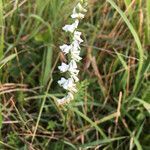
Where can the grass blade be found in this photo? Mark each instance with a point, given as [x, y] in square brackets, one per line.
[47, 64]
[145, 104]
[101, 142]
[137, 40]
[148, 22]
[6, 60]
[1, 29]
[88, 120]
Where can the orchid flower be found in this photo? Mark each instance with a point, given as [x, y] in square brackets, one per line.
[73, 54]
[77, 37]
[65, 48]
[71, 28]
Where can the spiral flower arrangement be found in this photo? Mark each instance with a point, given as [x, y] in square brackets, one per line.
[73, 54]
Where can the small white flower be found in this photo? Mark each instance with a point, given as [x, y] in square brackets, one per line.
[73, 67]
[64, 67]
[77, 37]
[62, 101]
[71, 28]
[74, 76]
[75, 45]
[65, 48]
[70, 95]
[70, 85]
[65, 99]
[76, 12]
[75, 54]
[73, 70]
[81, 9]
[62, 81]
[76, 15]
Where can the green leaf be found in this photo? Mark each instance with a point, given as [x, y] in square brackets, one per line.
[100, 142]
[1, 29]
[51, 125]
[145, 104]
[47, 64]
[6, 60]
[148, 21]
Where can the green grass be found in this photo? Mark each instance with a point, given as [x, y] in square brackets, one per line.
[112, 108]
[1, 29]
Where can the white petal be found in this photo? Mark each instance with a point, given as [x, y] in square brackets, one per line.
[72, 64]
[70, 95]
[72, 27]
[74, 71]
[76, 79]
[73, 68]
[65, 99]
[65, 48]
[76, 23]
[70, 85]
[62, 81]
[63, 68]
[81, 9]
[61, 101]
[77, 15]
[75, 55]
[75, 44]
[77, 33]
[69, 28]
[77, 37]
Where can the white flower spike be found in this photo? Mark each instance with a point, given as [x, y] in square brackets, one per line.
[73, 53]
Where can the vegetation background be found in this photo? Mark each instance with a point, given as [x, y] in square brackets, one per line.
[111, 109]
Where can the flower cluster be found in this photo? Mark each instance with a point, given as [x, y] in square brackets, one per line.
[73, 53]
